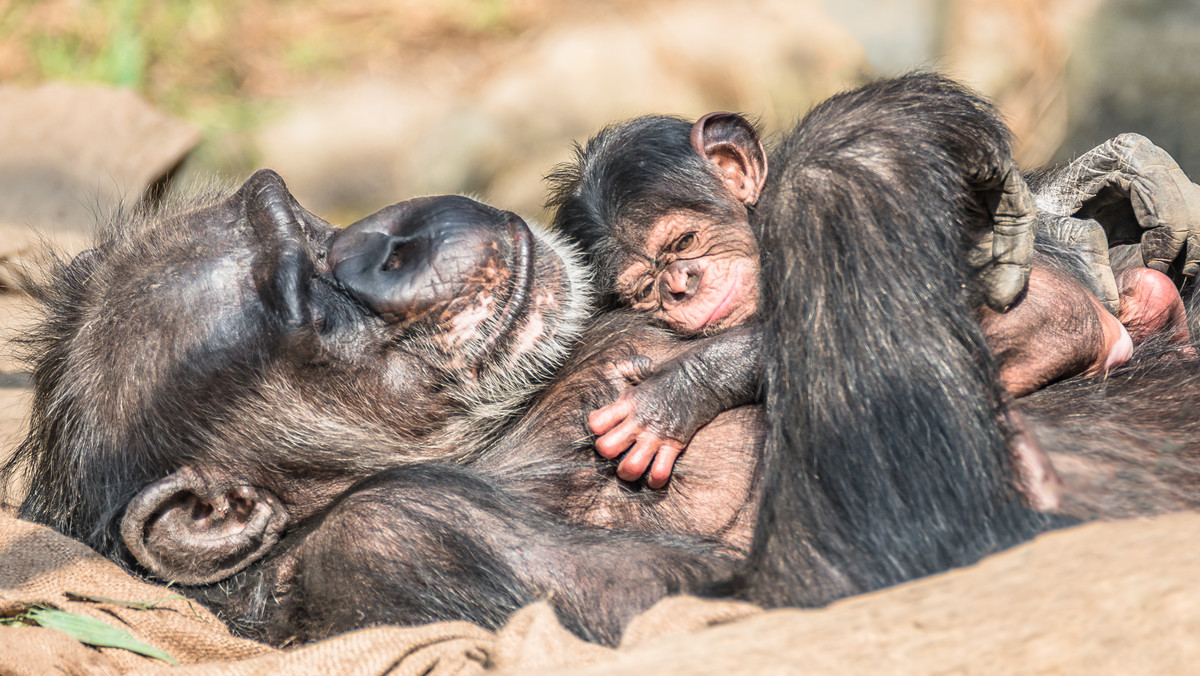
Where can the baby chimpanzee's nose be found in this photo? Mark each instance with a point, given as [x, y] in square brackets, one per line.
[412, 256]
[679, 282]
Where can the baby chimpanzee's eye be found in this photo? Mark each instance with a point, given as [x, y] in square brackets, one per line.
[684, 242]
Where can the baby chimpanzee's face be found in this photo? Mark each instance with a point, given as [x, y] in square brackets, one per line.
[696, 273]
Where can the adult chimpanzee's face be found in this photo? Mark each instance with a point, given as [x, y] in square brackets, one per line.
[255, 355]
[398, 320]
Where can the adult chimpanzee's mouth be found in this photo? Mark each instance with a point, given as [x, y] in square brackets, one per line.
[521, 265]
[456, 266]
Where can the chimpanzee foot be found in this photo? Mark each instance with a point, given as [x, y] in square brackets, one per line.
[1057, 330]
[1116, 344]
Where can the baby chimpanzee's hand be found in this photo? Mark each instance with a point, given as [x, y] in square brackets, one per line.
[654, 420]
[656, 416]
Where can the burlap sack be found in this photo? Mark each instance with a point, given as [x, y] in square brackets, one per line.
[39, 566]
[1104, 598]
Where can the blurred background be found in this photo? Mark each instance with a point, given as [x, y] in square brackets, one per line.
[361, 103]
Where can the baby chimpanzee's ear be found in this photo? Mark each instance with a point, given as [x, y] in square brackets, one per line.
[729, 140]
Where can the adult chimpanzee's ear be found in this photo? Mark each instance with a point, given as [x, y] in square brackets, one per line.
[729, 140]
[195, 528]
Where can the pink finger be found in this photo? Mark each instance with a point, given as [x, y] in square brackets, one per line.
[635, 462]
[617, 440]
[603, 419]
[664, 463]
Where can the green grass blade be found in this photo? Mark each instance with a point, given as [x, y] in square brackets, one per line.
[94, 632]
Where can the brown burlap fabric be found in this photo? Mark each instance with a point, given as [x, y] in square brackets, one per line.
[1104, 598]
[39, 566]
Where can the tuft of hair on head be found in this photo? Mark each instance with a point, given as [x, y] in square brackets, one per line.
[63, 448]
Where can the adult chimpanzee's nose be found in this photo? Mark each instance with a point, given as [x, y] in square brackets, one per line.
[412, 256]
[679, 282]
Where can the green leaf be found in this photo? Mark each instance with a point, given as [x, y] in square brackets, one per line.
[94, 632]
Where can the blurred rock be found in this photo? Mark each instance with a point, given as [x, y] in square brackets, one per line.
[1136, 67]
[895, 36]
[1017, 52]
[1014, 51]
[70, 155]
[14, 413]
[337, 148]
[15, 396]
[16, 316]
[494, 126]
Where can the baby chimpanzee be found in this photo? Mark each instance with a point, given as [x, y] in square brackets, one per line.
[663, 207]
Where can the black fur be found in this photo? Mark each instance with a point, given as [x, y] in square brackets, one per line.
[882, 401]
[881, 396]
[472, 549]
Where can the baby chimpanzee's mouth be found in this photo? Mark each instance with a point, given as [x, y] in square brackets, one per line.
[722, 308]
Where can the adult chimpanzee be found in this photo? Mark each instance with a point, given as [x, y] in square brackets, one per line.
[662, 207]
[232, 395]
[315, 429]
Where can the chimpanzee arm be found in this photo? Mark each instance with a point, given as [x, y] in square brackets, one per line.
[1136, 192]
[658, 416]
[420, 544]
